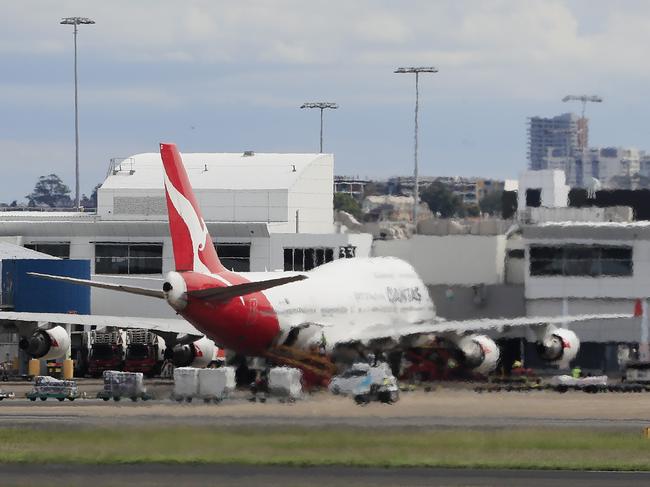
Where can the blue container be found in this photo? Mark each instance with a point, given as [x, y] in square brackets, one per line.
[33, 294]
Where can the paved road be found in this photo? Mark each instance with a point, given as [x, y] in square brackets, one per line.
[240, 476]
[444, 409]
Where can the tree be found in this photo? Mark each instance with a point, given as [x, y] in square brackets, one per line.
[472, 209]
[50, 191]
[345, 202]
[492, 203]
[375, 188]
[91, 202]
[441, 200]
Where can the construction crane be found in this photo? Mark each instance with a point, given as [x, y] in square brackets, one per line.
[583, 99]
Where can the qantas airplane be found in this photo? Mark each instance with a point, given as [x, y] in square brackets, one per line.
[359, 305]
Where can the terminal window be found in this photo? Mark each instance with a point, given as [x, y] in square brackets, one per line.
[128, 258]
[235, 256]
[304, 259]
[580, 260]
[55, 249]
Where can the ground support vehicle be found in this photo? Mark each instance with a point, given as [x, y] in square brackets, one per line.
[563, 383]
[285, 383]
[215, 385]
[6, 395]
[128, 385]
[186, 384]
[144, 352]
[637, 372]
[48, 387]
[210, 385]
[367, 383]
[516, 383]
[348, 381]
[107, 351]
[378, 384]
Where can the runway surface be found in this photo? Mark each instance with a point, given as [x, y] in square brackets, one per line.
[235, 475]
[444, 408]
[440, 409]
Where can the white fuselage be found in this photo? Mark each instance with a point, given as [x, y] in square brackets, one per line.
[349, 293]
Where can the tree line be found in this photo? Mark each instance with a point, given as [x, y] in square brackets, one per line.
[50, 191]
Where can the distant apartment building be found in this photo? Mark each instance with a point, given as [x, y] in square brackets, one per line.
[644, 165]
[607, 164]
[557, 138]
[354, 186]
[470, 190]
[561, 143]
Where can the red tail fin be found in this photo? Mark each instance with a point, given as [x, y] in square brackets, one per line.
[193, 247]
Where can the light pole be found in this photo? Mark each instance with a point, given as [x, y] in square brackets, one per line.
[75, 21]
[322, 105]
[416, 190]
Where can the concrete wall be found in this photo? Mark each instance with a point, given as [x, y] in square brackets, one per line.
[313, 195]
[491, 301]
[450, 259]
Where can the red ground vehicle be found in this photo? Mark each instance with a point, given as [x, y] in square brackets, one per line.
[107, 352]
[144, 352]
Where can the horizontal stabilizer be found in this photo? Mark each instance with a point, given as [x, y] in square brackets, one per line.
[142, 291]
[226, 293]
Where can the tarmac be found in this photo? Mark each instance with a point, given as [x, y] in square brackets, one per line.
[238, 475]
[440, 408]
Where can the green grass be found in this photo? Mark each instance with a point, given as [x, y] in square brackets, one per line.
[530, 448]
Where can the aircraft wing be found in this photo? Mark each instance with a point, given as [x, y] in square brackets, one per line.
[444, 327]
[155, 324]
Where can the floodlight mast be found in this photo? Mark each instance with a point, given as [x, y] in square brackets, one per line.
[416, 189]
[322, 105]
[75, 21]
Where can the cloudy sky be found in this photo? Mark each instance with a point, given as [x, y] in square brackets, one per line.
[228, 76]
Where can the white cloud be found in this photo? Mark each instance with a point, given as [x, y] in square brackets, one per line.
[60, 95]
[260, 53]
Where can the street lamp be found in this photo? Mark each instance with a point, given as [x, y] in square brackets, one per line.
[75, 21]
[322, 105]
[416, 190]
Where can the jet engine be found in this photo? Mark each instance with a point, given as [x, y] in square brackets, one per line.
[175, 290]
[558, 345]
[196, 354]
[480, 353]
[46, 344]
